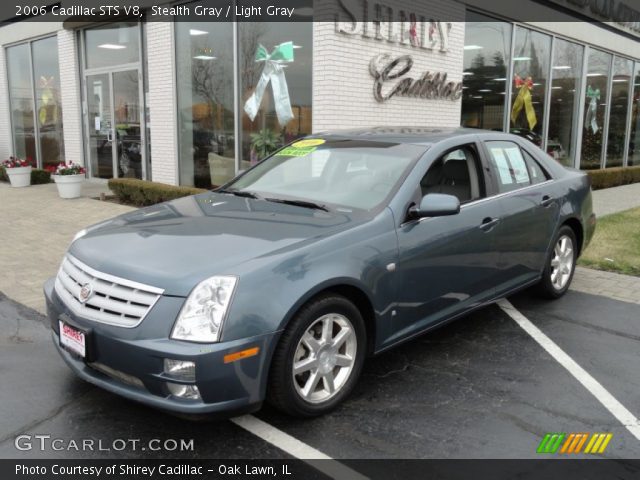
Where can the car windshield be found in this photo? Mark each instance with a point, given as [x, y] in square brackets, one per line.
[346, 173]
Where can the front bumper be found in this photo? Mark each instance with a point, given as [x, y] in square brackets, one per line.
[134, 361]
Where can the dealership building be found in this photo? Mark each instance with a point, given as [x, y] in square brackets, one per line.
[193, 102]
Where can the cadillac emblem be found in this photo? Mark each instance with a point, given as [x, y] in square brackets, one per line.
[85, 292]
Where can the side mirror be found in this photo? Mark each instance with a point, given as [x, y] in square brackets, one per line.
[435, 205]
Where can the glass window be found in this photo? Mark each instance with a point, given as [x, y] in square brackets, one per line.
[508, 165]
[634, 140]
[486, 57]
[275, 94]
[536, 172]
[456, 173]
[531, 58]
[48, 104]
[565, 85]
[21, 95]
[622, 81]
[204, 56]
[346, 173]
[598, 70]
[112, 44]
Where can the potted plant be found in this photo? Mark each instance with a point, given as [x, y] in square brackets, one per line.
[263, 143]
[69, 177]
[18, 171]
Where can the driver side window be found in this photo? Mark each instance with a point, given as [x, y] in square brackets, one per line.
[455, 173]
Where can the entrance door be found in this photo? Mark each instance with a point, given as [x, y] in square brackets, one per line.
[115, 130]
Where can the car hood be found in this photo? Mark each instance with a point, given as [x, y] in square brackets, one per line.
[177, 244]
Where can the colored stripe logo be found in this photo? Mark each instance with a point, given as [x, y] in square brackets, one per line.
[574, 443]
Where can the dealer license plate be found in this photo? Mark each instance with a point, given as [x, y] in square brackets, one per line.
[73, 339]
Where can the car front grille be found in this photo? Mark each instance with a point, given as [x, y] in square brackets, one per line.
[112, 300]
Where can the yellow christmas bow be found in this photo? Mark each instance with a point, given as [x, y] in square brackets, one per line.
[524, 100]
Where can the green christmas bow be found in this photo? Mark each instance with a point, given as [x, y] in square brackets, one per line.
[592, 120]
[273, 72]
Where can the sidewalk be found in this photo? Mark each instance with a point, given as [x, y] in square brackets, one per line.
[36, 227]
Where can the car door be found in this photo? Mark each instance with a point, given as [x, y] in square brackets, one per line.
[528, 209]
[446, 264]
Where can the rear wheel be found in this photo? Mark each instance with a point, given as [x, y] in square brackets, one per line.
[560, 265]
[319, 358]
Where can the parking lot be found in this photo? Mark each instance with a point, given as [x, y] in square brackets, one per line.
[480, 387]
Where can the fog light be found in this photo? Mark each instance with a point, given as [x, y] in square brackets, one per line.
[181, 369]
[189, 392]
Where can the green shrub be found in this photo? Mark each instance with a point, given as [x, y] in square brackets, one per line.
[40, 177]
[613, 177]
[141, 193]
[3, 175]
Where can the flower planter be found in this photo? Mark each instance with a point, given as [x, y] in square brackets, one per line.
[69, 186]
[19, 176]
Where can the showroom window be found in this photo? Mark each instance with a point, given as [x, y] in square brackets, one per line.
[634, 140]
[595, 108]
[271, 118]
[566, 75]
[620, 85]
[36, 109]
[486, 59]
[532, 54]
[204, 58]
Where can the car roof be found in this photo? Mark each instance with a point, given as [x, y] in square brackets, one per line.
[413, 135]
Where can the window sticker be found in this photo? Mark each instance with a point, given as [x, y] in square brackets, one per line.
[292, 151]
[503, 165]
[517, 163]
[309, 142]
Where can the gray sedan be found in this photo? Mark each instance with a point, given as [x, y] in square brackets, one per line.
[339, 246]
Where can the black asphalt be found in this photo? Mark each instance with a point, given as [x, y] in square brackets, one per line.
[477, 388]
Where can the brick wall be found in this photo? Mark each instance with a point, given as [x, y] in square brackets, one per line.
[162, 102]
[70, 96]
[5, 130]
[343, 87]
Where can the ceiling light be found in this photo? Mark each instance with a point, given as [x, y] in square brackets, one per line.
[204, 57]
[521, 59]
[195, 32]
[473, 47]
[620, 80]
[595, 74]
[465, 74]
[556, 88]
[477, 96]
[562, 67]
[485, 90]
[499, 79]
[112, 46]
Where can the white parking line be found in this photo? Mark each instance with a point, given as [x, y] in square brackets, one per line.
[618, 410]
[296, 448]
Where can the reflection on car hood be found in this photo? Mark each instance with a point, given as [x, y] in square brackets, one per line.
[174, 245]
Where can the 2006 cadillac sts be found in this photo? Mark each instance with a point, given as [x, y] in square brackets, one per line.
[279, 284]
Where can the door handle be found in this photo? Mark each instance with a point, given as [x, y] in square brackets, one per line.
[547, 200]
[488, 223]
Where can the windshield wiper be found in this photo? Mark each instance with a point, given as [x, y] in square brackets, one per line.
[298, 203]
[239, 193]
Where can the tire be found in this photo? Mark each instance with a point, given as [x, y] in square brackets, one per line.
[555, 282]
[306, 340]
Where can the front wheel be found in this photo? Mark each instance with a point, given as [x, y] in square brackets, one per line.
[319, 357]
[561, 264]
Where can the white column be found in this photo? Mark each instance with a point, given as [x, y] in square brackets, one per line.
[71, 98]
[162, 102]
[6, 148]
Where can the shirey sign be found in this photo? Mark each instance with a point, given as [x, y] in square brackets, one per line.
[399, 27]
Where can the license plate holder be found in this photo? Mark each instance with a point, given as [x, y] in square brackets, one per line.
[74, 339]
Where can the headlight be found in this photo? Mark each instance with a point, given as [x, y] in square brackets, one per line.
[201, 317]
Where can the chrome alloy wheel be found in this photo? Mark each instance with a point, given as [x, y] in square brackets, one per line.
[562, 262]
[324, 358]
